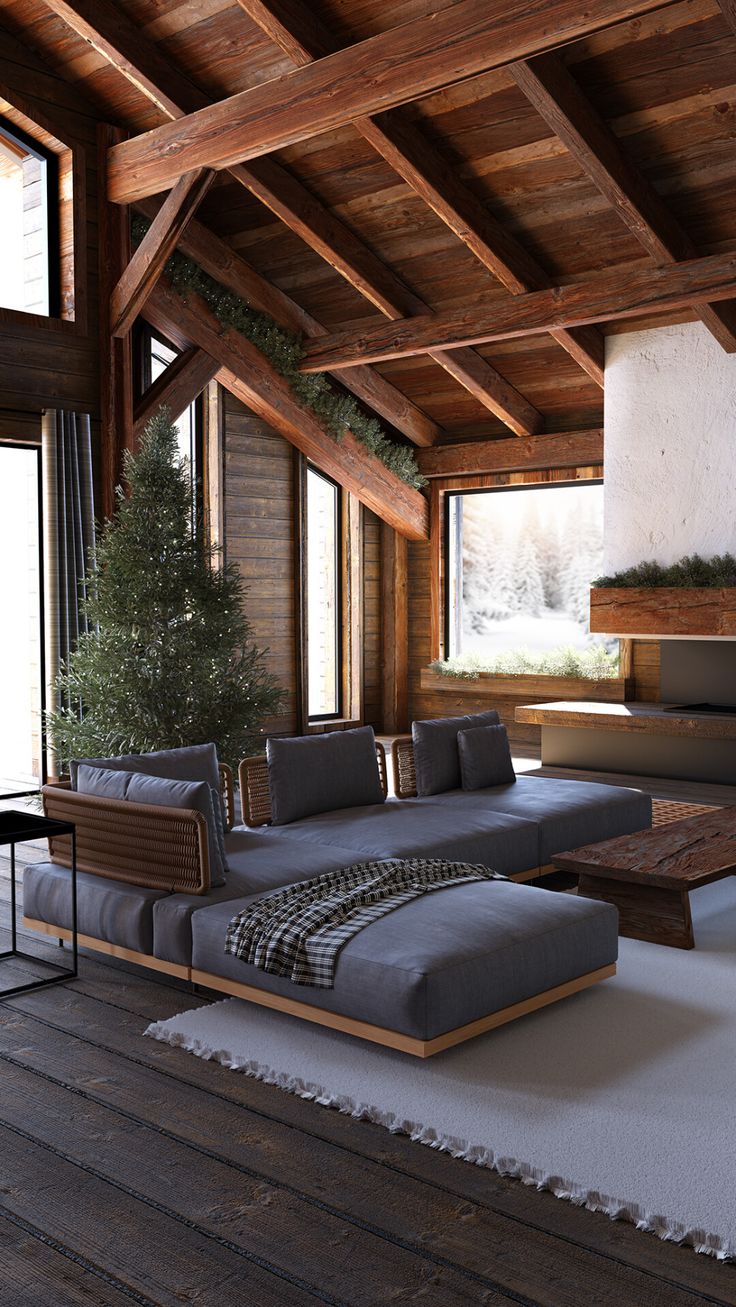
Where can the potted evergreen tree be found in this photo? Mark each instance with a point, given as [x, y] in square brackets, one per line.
[169, 659]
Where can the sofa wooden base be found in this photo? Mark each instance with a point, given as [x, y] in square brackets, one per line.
[112, 950]
[347, 1025]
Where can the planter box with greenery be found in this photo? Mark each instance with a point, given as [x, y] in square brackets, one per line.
[591, 674]
[695, 597]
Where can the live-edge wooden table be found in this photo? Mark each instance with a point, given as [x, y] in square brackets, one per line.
[648, 876]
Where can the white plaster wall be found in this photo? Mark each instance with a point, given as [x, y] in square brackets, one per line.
[670, 446]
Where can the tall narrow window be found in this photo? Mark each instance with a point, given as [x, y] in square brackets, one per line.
[21, 664]
[157, 357]
[323, 596]
[29, 255]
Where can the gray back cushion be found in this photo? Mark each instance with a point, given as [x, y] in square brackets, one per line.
[319, 773]
[195, 762]
[436, 756]
[485, 757]
[159, 791]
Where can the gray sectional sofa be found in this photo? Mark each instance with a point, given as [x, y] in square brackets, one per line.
[427, 975]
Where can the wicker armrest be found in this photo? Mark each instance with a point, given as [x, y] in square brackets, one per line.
[139, 843]
[405, 776]
[255, 793]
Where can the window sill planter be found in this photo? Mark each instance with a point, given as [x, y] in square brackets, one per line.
[611, 689]
[655, 612]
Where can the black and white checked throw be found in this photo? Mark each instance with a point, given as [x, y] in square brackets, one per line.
[298, 932]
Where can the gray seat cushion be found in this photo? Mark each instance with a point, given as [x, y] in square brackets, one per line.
[568, 813]
[257, 864]
[415, 828]
[107, 909]
[443, 960]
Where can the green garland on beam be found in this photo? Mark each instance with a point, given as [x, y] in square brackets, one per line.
[335, 409]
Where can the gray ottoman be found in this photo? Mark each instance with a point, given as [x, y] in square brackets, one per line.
[437, 970]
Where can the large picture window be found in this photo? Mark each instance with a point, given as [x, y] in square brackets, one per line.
[324, 585]
[520, 562]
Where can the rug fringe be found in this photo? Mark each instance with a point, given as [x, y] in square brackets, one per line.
[595, 1201]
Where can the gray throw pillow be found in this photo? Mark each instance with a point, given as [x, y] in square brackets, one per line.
[319, 773]
[195, 762]
[436, 757]
[102, 782]
[137, 787]
[485, 757]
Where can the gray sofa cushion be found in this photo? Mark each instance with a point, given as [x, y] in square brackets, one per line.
[195, 762]
[568, 813]
[485, 757]
[443, 960]
[436, 756]
[257, 864]
[107, 909]
[321, 773]
[414, 828]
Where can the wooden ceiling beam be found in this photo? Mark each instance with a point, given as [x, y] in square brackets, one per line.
[622, 293]
[253, 379]
[218, 259]
[728, 9]
[301, 36]
[556, 96]
[159, 242]
[390, 68]
[178, 386]
[120, 42]
[476, 457]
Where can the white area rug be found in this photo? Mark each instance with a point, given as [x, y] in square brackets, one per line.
[622, 1098]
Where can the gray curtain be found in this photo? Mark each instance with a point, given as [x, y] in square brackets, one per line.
[69, 535]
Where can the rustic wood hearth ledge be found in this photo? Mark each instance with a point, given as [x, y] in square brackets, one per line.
[641, 718]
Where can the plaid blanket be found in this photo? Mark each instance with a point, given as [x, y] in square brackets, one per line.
[298, 932]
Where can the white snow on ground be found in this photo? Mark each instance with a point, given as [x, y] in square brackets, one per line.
[548, 631]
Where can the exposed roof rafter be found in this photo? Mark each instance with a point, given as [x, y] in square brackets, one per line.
[298, 33]
[178, 386]
[225, 265]
[391, 68]
[622, 293]
[119, 41]
[245, 371]
[148, 260]
[555, 95]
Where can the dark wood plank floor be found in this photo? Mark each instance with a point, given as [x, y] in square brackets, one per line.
[133, 1172]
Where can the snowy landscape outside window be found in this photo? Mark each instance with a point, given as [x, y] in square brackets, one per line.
[323, 595]
[520, 565]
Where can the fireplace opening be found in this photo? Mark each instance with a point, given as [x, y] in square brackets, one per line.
[717, 708]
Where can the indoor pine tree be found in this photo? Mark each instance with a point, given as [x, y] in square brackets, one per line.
[169, 658]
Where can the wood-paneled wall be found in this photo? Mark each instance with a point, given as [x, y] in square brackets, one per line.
[46, 362]
[260, 536]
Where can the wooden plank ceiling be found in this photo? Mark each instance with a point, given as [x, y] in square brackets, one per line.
[615, 155]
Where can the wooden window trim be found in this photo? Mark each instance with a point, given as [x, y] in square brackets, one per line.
[70, 222]
[439, 489]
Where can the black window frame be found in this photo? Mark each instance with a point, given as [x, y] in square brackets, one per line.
[143, 336]
[338, 714]
[50, 161]
[25, 445]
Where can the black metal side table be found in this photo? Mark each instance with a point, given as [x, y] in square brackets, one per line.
[15, 828]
